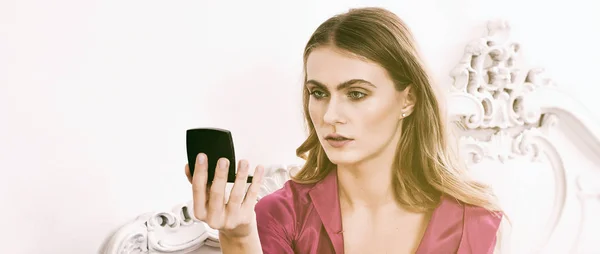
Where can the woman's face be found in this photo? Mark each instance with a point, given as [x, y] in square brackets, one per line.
[354, 106]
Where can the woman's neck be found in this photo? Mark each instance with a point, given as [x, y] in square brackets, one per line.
[368, 185]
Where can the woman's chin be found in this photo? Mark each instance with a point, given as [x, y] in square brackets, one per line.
[342, 158]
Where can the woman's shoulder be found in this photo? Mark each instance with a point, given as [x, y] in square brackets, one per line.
[285, 199]
[477, 225]
[474, 218]
[470, 211]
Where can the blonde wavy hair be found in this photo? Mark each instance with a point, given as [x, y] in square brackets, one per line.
[426, 164]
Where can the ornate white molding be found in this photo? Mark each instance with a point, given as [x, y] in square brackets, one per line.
[504, 145]
[489, 79]
[130, 238]
[491, 96]
[178, 230]
[508, 111]
[492, 91]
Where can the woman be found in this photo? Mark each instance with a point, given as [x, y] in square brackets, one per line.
[379, 176]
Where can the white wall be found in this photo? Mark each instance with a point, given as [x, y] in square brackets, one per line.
[95, 96]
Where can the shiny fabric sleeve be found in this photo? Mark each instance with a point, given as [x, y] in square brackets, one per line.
[275, 221]
[481, 227]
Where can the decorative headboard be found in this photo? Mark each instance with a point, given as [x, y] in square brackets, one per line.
[538, 148]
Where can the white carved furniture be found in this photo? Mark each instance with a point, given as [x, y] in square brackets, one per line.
[534, 144]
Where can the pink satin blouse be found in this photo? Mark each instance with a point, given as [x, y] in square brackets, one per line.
[306, 219]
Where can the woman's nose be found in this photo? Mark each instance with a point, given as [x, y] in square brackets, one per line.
[332, 114]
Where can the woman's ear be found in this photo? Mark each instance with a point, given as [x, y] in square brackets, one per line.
[408, 102]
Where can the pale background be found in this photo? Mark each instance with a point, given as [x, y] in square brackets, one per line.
[95, 96]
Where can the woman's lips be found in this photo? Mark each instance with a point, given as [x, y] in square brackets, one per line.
[338, 142]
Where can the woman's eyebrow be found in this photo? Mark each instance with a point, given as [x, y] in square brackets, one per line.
[342, 85]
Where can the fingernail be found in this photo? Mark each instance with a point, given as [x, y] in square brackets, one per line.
[223, 163]
[201, 159]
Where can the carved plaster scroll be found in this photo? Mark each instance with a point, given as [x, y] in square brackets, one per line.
[130, 238]
[588, 191]
[488, 74]
[177, 230]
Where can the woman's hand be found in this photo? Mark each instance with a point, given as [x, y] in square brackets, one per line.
[234, 219]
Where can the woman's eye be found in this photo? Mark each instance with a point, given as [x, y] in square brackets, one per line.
[355, 95]
[317, 94]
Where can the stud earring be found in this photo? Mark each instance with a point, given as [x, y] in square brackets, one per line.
[403, 115]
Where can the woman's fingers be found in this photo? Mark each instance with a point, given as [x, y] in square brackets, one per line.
[252, 194]
[199, 180]
[187, 173]
[239, 186]
[209, 200]
[216, 200]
